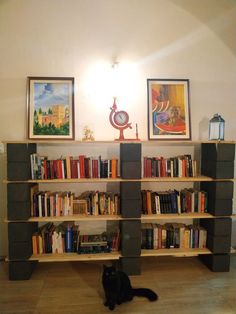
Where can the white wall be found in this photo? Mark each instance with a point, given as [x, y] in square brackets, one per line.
[159, 37]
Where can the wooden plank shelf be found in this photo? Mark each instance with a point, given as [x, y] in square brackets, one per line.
[175, 252]
[151, 142]
[177, 216]
[74, 257]
[110, 180]
[144, 218]
[76, 218]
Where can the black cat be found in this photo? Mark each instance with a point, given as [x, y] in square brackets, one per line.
[118, 289]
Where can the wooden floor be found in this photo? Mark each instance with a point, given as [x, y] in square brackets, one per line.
[184, 285]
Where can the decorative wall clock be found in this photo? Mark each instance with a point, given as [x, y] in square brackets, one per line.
[120, 121]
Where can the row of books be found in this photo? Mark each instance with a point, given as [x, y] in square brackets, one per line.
[173, 201]
[55, 204]
[180, 166]
[66, 238]
[172, 235]
[101, 243]
[70, 167]
[101, 203]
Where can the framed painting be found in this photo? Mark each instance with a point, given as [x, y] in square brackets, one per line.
[50, 104]
[168, 109]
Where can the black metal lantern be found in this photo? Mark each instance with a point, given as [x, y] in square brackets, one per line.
[217, 128]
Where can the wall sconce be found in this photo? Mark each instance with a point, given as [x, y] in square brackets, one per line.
[216, 128]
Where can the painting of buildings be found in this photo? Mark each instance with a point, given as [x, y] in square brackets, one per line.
[52, 108]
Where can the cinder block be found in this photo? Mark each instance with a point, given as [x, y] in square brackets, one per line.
[131, 265]
[21, 231]
[18, 210]
[18, 171]
[130, 152]
[131, 237]
[130, 190]
[218, 169]
[217, 262]
[131, 208]
[218, 190]
[21, 270]
[18, 192]
[130, 169]
[220, 207]
[20, 152]
[217, 226]
[19, 250]
[218, 152]
[218, 244]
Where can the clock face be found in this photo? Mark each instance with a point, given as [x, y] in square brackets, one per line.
[121, 118]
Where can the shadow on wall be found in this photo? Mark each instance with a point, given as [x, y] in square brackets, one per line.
[220, 18]
[203, 129]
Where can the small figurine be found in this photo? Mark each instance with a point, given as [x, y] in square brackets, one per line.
[88, 134]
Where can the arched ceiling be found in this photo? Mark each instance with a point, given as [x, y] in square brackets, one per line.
[218, 15]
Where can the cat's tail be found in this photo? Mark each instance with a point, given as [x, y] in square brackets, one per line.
[144, 292]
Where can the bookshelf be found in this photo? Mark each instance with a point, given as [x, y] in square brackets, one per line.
[130, 182]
